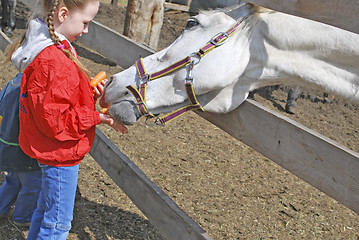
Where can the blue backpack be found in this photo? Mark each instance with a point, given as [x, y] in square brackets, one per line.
[12, 158]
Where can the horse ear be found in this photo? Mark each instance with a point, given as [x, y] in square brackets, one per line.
[238, 10]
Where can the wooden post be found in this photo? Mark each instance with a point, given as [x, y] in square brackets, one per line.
[176, 6]
[143, 21]
[114, 3]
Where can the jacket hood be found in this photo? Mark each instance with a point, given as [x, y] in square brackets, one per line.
[37, 38]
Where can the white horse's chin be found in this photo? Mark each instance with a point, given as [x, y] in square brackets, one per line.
[124, 112]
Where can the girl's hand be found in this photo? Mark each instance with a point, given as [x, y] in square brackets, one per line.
[107, 119]
[98, 90]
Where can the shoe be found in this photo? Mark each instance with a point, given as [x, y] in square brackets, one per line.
[26, 224]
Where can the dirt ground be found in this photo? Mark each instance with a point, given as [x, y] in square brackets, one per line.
[229, 189]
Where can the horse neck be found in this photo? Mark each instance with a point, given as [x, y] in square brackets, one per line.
[288, 49]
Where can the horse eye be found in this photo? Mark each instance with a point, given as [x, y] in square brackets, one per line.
[191, 23]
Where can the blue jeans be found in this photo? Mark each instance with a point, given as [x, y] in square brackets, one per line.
[54, 213]
[21, 189]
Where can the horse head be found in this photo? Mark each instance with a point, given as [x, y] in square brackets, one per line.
[214, 74]
[222, 55]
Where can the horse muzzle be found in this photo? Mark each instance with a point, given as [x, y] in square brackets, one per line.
[124, 112]
[121, 107]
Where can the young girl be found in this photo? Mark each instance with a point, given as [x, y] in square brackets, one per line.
[57, 110]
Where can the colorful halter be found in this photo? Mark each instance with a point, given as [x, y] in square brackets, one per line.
[139, 92]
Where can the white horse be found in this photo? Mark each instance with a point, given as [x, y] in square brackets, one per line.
[265, 48]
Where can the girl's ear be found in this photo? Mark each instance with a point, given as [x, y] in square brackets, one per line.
[62, 14]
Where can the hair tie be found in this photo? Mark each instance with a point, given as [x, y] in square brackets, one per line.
[60, 46]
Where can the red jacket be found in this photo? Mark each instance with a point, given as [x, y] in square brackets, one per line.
[57, 110]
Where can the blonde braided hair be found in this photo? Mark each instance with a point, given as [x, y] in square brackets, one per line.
[55, 38]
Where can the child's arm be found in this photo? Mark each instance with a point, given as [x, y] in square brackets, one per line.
[107, 119]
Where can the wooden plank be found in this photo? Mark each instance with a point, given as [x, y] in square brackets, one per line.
[340, 13]
[114, 46]
[4, 41]
[178, 7]
[162, 212]
[323, 163]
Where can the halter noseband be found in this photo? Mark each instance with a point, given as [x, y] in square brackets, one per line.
[139, 92]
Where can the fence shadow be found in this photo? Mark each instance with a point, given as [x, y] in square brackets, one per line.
[97, 221]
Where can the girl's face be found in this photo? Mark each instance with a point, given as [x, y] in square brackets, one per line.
[74, 23]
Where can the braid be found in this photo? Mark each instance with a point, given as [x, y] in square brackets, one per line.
[56, 39]
[50, 22]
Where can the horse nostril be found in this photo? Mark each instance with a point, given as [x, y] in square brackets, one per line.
[109, 81]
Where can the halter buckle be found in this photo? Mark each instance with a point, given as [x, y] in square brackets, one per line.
[157, 122]
[195, 55]
[144, 80]
[189, 78]
[140, 102]
[218, 43]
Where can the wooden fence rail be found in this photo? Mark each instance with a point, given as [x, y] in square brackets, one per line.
[336, 174]
[339, 13]
[316, 159]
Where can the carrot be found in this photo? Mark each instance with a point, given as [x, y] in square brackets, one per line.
[97, 79]
[104, 110]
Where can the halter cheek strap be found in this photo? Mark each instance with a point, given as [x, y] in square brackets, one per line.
[139, 92]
